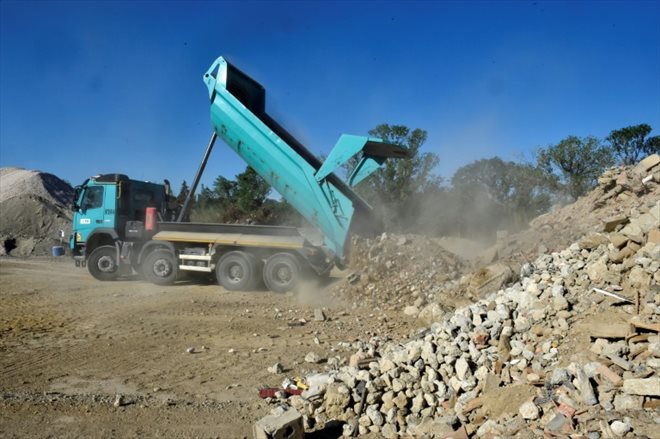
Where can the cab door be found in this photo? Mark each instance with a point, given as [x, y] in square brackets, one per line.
[97, 210]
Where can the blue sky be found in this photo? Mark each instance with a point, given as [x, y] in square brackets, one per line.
[91, 87]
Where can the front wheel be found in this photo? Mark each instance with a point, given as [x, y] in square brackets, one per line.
[282, 273]
[102, 263]
[160, 267]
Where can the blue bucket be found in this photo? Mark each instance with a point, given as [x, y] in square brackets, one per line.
[58, 250]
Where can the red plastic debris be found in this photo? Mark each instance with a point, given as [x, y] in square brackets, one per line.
[269, 392]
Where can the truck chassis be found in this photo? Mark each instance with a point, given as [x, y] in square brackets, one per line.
[242, 257]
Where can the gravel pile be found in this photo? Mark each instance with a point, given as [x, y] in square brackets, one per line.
[572, 348]
[33, 208]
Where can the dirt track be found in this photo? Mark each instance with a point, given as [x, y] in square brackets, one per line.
[69, 344]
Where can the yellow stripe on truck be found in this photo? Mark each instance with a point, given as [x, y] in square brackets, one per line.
[288, 242]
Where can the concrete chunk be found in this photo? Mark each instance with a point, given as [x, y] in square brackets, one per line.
[529, 410]
[648, 163]
[609, 224]
[642, 386]
[609, 330]
[288, 424]
[618, 240]
[585, 388]
[592, 240]
[319, 315]
[621, 362]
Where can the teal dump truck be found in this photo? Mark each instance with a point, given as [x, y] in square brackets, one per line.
[121, 225]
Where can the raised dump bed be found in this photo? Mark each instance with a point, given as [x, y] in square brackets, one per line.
[238, 115]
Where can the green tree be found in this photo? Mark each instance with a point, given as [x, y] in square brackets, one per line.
[183, 193]
[206, 198]
[398, 179]
[394, 188]
[241, 200]
[251, 190]
[224, 191]
[575, 163]
[630, 144]
[518, 192]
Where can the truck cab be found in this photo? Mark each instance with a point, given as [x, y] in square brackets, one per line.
[109, 211]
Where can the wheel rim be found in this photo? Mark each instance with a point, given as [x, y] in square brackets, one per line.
[106, 264]
[162, 268]
[283, 274]
[235, 273]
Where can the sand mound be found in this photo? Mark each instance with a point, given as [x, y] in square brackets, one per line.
[33, 208]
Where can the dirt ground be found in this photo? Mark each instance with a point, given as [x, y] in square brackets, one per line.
[69, 344]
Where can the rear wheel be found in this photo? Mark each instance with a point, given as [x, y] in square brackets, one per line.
[238, 271]
[282, 273]
[160, 267]
[102, 263]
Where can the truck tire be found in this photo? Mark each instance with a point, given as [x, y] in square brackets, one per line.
[282, 273]
[237, 271]
[160, 267]
[102, 263]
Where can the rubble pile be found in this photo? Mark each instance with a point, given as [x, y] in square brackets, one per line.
[34, 207]
[571, 348]
[621, 191]
[398, 271]
[417, 275]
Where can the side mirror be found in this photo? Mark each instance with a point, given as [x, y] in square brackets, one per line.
[74, 202]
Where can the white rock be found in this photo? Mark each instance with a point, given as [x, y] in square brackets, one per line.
[529, 410]
[313, 357]
[389, 431]
[374, 415]
[455, 384]
[411, 310]
[276, 368]
[119, 400]
[489, 426]
[559, 303]
[386, 365]
[620, 428]
[462, 368]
